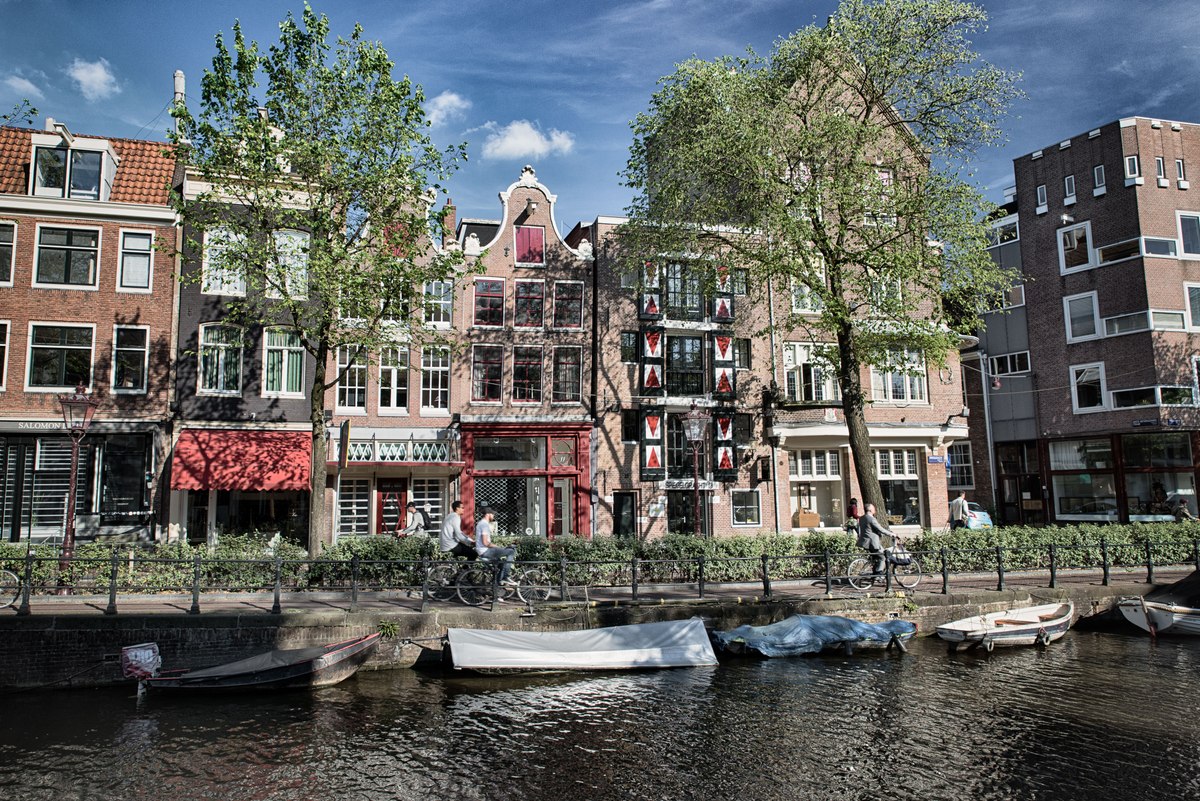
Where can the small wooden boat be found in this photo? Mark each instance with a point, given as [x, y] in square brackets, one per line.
[284, 669]
[640, 646]
[1174, 609]
[811, 634]
[1032, 625]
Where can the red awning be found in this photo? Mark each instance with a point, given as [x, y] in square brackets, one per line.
[242, 460]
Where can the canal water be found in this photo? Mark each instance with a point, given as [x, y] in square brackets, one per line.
[1097, 715]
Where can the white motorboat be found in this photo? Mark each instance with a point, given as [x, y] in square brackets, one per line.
[1031, 625]
[1174, 609]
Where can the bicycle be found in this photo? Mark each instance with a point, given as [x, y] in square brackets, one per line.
[10, 588]
[441, 581]
[477, 580]
[905, 568]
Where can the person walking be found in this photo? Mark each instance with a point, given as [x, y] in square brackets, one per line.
[485, 548]
[452, 540]
[869, 530]
[958, 511]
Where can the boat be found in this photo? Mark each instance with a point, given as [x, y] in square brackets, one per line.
[811, 634]
[1174, 609]
[283, 669]
[1031, 625]
[675, 643]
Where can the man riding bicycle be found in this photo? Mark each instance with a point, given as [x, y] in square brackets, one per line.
[869, 530]
[452, 540]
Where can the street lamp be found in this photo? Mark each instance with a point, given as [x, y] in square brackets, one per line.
[695, 426]
[77, 412]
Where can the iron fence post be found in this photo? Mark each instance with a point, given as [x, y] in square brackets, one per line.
[700, 574]
[562, 576]
[999, 568]
[276, 608]
[633, 577]
[195, 610]
[945, 571]
[1104, 558]
[425, 567]
[23, 609]
[766, 575]
[1149, 562]
[354, 583]
[1053, 565]
[111, 609]
[1196, 554]
[495, 585]
[828, 572]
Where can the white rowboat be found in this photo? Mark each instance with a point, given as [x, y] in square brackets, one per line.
[1031, 625]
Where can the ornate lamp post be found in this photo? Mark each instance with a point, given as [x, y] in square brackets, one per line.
[77, 412]
[695, 427]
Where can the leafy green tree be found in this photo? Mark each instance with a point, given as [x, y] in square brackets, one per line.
[837, 168]
[332, 145]
[21, 112]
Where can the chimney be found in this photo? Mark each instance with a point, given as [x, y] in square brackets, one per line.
[180, 97]
[449, 224]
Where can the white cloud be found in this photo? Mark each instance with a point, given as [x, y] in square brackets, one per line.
[446, 107]
[520, 139]
[23, 87]
[95, 80]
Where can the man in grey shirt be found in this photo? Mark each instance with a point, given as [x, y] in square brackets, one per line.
[483, 544]
[869, 530]
[452, 540]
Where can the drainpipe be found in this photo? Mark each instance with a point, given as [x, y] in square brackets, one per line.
[773, 440]
[985, 380]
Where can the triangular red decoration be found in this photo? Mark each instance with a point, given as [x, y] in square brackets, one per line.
[652, 340]
[726, 462]
[723, 347]
[722, 308]
[652, 425]
[652, 378]
[651, 306]
[652, 458]
[723, 384]
[723, 427]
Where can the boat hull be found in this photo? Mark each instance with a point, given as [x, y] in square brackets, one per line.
[1164, 617]
[1038, 625]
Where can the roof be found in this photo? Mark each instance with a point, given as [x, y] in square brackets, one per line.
[144, 174]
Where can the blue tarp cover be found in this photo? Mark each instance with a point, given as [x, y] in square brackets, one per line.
[809, 634]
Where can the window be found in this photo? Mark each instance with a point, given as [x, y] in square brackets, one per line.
[739, 282]
[804, 299]
[131, 348]
[1041, 195]
[745, 507]
[1156, 246]
[685, 366]
[531, 244]
[1074, 252]
[291, 252]
[1193, 305]
[818, 464]
[1179, 171]
[439, 303]
[4, 327]
[489, 301]
[1006, 230]
[1098, 176]
[1083, 318]
[67, 257]
[487, 368]
[1130, 398]
[631, 425]
[1087, 387]
[879, 207]
[629, 346]
[530, 304]
[743, 428]
[1069, 188]
[568, 304]
[283, 362]
[741, 354]
[684, 297]
[353, 507]
[1126, 323]
[1160, 167]
[903, 380]
[809, 375]
[393, 380]
[1010, 363]
[567, 376]
[136, 257]
[625, 514]
[1118, 251]
[435, 379]
[1014, 297]
[527, 374]
[59, 172]
[60, 356]
[962, 470]
[220, 359]
[1132, 168]
[8, 236]
[220, 275]
[1189, 232]
[352, 379]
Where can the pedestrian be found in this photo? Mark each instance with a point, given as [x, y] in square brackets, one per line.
[958, 511]
[489, 551]
[452, 540]
[852, 516]
[1182, 512]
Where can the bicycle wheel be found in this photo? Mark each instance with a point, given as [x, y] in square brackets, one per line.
[10, 588]
[860, 573]
[440, 581]
[908, 576]
[475, 585]
[534, 586]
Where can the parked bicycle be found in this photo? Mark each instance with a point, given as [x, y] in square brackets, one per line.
[905, 568]
[10, 588]
[478, 581]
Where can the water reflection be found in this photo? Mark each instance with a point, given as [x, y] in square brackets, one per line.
[1097, 714]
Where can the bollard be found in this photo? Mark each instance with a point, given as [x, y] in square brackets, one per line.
[1149, 563]
[700, 574]
[354, 583]
[999, 569]
[633, 577]
[945, 572]
[425, 567]
[1104, 558]
[23, 609]
[562, 577]
[276, 608]
[195, 610]
[766, 576]
[111, 609]
[1053, 565]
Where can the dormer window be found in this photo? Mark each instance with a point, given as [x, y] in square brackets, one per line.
[75, 168]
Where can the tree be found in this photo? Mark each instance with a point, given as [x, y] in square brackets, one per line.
[22, 110]
[334, 148]
[836, 167]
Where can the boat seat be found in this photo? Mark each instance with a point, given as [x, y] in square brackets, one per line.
[1010, 622]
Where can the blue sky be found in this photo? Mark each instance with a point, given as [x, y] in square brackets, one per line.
[555, 84]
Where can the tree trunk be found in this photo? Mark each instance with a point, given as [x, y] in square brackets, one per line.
[320, 449]
[854, 407]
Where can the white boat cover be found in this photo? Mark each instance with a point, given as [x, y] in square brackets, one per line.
[676, 643]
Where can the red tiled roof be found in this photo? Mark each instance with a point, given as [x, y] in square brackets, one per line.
[143, 176]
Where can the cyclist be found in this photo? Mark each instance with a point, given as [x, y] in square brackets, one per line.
[452, 540]
[869, 530]
[483, 544]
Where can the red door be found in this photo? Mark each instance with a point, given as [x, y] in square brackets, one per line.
[392, 500]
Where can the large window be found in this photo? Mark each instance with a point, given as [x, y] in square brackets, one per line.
[220, 274]
[8, 236]
[679, 450]
[685, 365]
[568, 387]
[136, 258]
[60, 356]
[435, 379]
[393, 380]
[353, 507]
[745, 507]
[131, 348]
[487, 370]
[283, 362]
[809, 377]
[527, 374]
[817, 464]
[1087, 387]
[962, 469]
[67, 257]
[439, 303]
[59, 172]
[531, 244]
[1074, 250]
[291, 251]
[1082, 316]
[1010, 363]
[685, 299]
[352, 379]
[1189, 233]
[903, 380]
[489, 302]
[220, 359]
[899, 480]
[530, 309]
[568, 304]
[804, 299]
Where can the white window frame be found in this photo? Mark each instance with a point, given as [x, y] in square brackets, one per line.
[223, 351]
[435, 381]
[541, 263]
[125, 250]
[354, 494]
[1160, 168]
[438, 309]
[996, 231]
[554, 401]
[4, 350]
[1174, 254]
[46, 141]
[1186, 254]
[1180, 171]
[503, 301]
[819, 463]
[734, 507]
[1042, 205]
[12, 254]
[968, 465]
[292, 262]
[29, 355]
[499, 401]
[1099, 182]
[1010, 363]
[1014, 291]
[1068, 190]
[145, 352]
[290, 353]
[1193, 322]
[582, 310]
[37, 234]
[1073, 373]
[216, 280]
[397, 372]
[803, 299]
[911, 467]
[354, 380]
[809, 372]
[1133, 171]
[883, 381]
[1069, 230]
[1099, 324]
[542, 383]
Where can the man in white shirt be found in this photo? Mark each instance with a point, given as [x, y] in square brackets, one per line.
[958, 511]
[485, 548]
[452, 541]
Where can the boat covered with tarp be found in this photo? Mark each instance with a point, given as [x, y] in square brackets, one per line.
[1174, 608]
[668, 644]
[811, 634]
